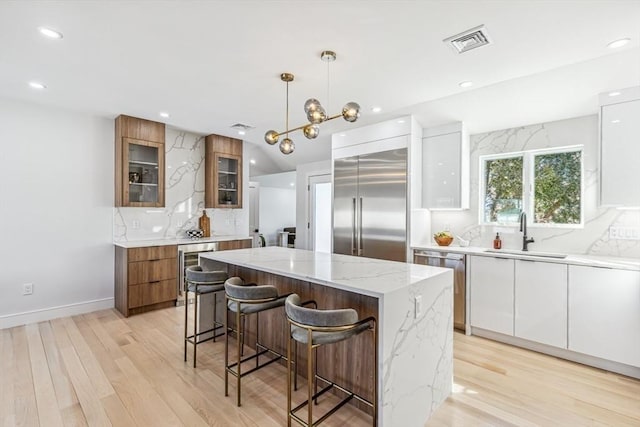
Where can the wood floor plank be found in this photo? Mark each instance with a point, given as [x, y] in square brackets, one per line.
[7, 408]
[42, 382]
[26, 410]
[143, 380]
[65, 394]
[87, 395]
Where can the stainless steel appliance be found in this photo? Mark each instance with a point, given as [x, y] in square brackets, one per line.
[457, 262]
[370, 205]
[187, 256]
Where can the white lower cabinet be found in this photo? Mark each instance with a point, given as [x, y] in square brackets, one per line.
[541, 302]
[491, 293]
[604, 313]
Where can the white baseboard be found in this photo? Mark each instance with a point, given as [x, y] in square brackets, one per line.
[42, 315]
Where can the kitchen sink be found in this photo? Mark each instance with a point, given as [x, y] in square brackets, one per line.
[527, 253]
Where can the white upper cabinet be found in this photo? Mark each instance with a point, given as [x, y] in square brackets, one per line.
[445, 167]
[620, 148]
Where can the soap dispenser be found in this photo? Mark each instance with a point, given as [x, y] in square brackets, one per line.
[497, 242]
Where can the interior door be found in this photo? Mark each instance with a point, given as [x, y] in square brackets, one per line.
[345, 192]
[320, 213]
[382, 205]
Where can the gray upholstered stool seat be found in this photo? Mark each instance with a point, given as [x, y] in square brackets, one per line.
[314, 328]
[201, 282]
[243, 300]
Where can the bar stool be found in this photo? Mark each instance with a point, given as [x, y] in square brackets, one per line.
[199, 283]
[244, 300]
[315, 328]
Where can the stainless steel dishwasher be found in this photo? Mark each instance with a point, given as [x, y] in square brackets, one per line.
[457, 263]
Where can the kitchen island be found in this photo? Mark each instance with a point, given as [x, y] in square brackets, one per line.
[413, 306]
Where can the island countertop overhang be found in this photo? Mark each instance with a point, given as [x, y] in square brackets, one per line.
[366, 276]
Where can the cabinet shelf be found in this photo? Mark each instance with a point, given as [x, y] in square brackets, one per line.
[139, 162]
[227, 173]
[143, 184]
[227, 189]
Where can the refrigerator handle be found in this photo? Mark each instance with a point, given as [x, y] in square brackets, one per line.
[353, 228]
[360, 245]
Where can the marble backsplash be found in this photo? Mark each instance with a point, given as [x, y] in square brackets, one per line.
[593, 238]
[184, 198]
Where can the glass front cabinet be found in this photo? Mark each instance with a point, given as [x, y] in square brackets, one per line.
[140, 159]
[223, 172]
[144, 166]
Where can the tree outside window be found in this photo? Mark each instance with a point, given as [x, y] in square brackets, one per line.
[555, 177]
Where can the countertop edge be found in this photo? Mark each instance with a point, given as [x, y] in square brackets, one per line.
[185, 241]
[571, 259]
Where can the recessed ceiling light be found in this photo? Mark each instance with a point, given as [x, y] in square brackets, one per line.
[163, 114]
[37, 85]
[52, 34]
[291, 184]
[618, 43]
[466, 83]
[241, 132]
[400, 121]
[376, 109]
[252, 161]
[614, 93]
[615, 121]
[343, 134]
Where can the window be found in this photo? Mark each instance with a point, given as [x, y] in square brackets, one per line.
[546, 184]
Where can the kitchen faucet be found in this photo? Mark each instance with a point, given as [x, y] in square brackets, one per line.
[523, 228]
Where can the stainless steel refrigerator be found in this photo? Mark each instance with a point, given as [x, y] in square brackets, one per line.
[370, 205]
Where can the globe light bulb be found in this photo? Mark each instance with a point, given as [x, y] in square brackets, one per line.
[287, 146]
[311, 131]
[317, 116]
[271, 137]
[312, 104]
[351, 111]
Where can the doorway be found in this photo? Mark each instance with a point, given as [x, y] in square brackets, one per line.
[319, 227]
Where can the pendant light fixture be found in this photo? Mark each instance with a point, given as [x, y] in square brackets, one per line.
[314, 111]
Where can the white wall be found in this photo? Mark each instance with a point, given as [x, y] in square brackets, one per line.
[56, 204]
[277, 210]
[303, 172]
[592, 239]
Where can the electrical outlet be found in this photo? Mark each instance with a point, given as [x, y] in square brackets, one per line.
[27, 289]
[135, 224]
[418, 306]
[624, 233]
[179, 223]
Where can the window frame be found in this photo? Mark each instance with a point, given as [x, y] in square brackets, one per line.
[528, 185]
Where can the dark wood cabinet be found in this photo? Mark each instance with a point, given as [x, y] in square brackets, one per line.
[223, 172]
[139, 162]
[146, 278]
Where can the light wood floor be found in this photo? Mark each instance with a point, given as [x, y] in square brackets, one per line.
[101, 369]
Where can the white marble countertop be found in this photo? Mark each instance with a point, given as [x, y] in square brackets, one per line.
[573, 259]
[176, 241]
[364, 276]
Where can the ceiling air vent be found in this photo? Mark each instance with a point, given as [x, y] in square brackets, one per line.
[470, 39]
[242, 126]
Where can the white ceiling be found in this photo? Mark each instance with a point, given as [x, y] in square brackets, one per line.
[212, 64]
